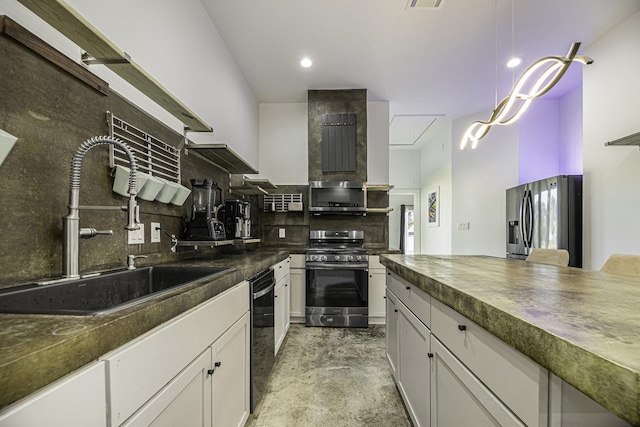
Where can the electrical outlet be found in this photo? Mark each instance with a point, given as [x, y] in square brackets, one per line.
[155, 233]
[136, 237]
[463, 226]
[281, 233]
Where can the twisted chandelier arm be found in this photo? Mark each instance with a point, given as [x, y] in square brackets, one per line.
[513, 106]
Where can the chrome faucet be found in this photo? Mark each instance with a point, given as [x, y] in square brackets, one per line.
[71, 231]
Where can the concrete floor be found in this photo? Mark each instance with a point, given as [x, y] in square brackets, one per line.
[331, 377]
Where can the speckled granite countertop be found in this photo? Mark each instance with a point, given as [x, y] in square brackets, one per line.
[36, 350]
[584, 326]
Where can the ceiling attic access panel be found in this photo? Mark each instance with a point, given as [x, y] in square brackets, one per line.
[339, 142]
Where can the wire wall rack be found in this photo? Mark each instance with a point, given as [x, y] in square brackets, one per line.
[155, 157]
[283, 202]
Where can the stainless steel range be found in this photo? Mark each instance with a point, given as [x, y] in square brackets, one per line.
[337, 285]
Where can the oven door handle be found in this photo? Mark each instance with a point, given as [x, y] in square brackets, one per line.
[264, 291]
[337, 266]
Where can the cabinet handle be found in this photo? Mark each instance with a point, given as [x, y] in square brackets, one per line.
[215, 365]
[388, 273]
[462, 327]
[408, 288]
[430, 355]
[275, 296]
[396, 310]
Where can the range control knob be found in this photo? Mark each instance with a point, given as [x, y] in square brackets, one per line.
[358, 257]
[313, 257]
[323, 258]
[350, 257]
[337, 257]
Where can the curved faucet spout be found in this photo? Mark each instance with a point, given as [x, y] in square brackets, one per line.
[71, 221]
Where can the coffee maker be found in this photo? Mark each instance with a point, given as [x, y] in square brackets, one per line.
[203, 223]
[237, 219]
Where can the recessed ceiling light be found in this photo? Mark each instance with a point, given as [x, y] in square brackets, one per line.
[514, 62]
[306, 62]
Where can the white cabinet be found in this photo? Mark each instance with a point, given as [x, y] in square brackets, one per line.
[409, 346]
[377, 282]
[297, 291]
[77, 400]
[185, 401]
[515, 379]
[282, 302]
[458, 398]
[570, 407]
[230, 377]
[168, 361]
[392, 333]
[414, 365]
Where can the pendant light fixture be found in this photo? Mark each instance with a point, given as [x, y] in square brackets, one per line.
[549, 70]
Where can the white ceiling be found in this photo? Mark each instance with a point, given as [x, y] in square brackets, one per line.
[424, 62]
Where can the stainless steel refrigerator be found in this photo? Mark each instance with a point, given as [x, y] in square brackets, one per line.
[546, 214]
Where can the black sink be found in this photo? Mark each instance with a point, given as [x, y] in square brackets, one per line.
[105, 293]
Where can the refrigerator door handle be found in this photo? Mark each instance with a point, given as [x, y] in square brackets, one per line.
[523, 222]
[529, 220]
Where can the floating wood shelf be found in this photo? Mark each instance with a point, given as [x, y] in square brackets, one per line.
[375, 187]
[70, 23]
[240, 184]
[379, 210]
[204, 243]
[633, 139]
[221, 155]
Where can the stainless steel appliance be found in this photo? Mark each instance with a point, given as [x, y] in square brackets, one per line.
[237, 219]
[546, 214]
[262, 333]
[337, 285]
[337, 197]
[203, 223]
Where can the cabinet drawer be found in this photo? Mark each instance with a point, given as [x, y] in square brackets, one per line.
[281, 269]
[517, 380]
[416, 300]
[460, 399]
[138, 370]
[297, 261]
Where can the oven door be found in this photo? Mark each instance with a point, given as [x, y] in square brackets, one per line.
[337, 295]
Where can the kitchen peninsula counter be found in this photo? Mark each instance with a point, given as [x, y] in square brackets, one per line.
[36, 350]
[581, 325]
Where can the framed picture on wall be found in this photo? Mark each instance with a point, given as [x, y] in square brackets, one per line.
[433, 207]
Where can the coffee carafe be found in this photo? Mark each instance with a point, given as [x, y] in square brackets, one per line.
[203, 223]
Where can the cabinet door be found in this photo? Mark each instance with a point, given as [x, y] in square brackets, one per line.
[458, 398]
[287, 304]
[77, 400]
[297, 306]
[414, 366]
[377, 286]
[392, 342]
[185, 401]
[280, 301]
[230, 377]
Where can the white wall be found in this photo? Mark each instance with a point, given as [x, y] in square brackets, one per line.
[177, 44]
[436, 173]
[611, 96]
[378, 142]
[480, 180]
[571, 125]
[539, 141]
[284, 143]
[404, 168]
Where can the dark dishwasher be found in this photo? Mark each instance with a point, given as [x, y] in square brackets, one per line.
[262, 333]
